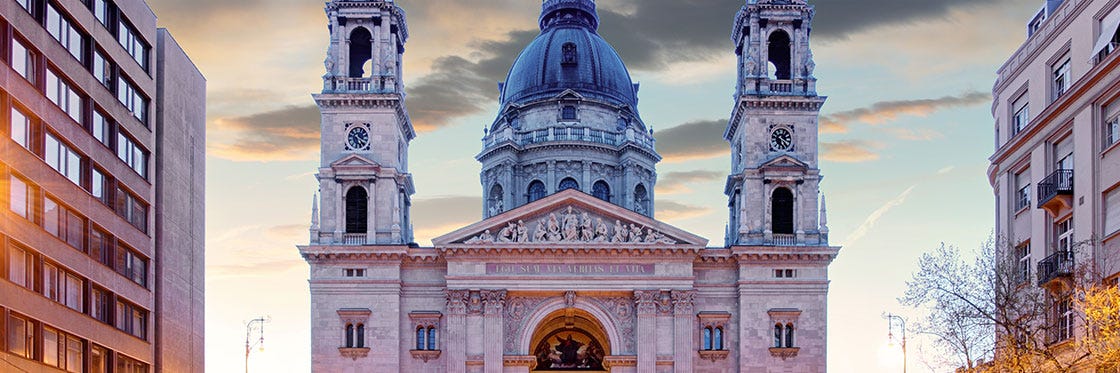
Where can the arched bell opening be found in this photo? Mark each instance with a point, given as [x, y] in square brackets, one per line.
[570, 340]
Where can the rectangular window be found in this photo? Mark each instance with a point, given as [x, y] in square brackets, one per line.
[100, 247]
[1111, 132]
[99, 305]
[102, 69]
[1061, 78]
[1024, 273]
[1023, 191]
[349, 272]
[19, 266]
[101, 11]
[132, 320]
[64, 32]
[65, 97]
[126, 364]
[128, 95]
[1112, 212]
[63, 159]
[1065, 236]
[785, 273]
[50, 346]
[1021, 116]
[73, 354]
[132, 265]
[19, 200]
[23, 61]
[64, 224]
[21, 128]
[74, 287]
[130, 40]
[101, 129]
[132, 155]
[98, 359]
[132, 209]
[50, 281]
[99, 186]
[21, 336]
[25, 4]
[1065, 320]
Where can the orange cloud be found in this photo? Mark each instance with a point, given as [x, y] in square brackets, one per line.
[886, 111]
[849, 151]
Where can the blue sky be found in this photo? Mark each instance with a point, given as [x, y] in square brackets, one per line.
[905, 149]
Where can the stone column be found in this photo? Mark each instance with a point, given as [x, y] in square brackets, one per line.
[646, 301]
[493, 356]
[375, 52]
[550, 179]
[683, 330]
[339, 217]
[371, 213]
[456, 333]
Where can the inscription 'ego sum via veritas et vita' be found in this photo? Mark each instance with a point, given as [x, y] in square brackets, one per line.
[547, 269]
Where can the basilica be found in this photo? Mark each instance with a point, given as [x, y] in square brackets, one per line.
[569, 270]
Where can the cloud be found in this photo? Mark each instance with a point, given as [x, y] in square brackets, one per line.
[849, 151]
[873, 219]
[679, 182]
[885, 111]
[836, 20]
[694, 140]
[250, 251]
[915, 134]
[436, 216]
[669, 211]
[289, 133]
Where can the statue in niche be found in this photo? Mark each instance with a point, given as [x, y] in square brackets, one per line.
[571, 226]
[620, 233]
[601, 234]
[540, 234]
[809, 64]
[586, 232]
[522, 232]
[751, 65]
[554, 229]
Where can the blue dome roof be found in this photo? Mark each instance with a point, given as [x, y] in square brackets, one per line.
[569, 54]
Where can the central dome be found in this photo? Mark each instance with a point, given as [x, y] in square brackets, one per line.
[569, 54]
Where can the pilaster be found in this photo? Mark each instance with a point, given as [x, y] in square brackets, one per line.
[646, 302]
[456, 330]
[683, 330]
[494, 303]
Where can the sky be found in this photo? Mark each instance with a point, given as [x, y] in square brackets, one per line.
[905, 137]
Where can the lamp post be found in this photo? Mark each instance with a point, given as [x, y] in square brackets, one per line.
[890, 334]
[258, 325]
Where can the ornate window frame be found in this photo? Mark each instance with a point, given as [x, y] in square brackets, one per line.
[357, 318]
[715, 324]
[429, 322]
[785, 321]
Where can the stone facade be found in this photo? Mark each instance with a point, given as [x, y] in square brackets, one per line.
[568, 279]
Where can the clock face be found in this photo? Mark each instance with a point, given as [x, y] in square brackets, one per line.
[358, 139]
[781, 140]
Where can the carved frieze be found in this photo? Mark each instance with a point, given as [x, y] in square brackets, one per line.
[572, 226]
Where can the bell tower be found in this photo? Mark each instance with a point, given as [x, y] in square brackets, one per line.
[774, 186]
[364, 184]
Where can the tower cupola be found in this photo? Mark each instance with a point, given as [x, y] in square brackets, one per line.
[569, 12]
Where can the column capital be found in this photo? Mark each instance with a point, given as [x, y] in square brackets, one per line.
[457, 301]
[683, 302]
[494, 301]
[646, 301]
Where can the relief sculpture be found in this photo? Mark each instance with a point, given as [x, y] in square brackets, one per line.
[573, 226]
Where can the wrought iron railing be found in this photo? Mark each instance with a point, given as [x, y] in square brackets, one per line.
[1058, 183]
[1056, 265]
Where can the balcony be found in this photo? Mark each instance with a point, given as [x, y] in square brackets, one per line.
[783, 240]
[1055, 192]
[1055, 266]
[377, 84]
[346, 239]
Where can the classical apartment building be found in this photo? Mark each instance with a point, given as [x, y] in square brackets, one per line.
[1056, 168]
[101, 173]
[568, 270]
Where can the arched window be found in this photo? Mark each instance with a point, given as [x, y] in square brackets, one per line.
[420, 335]
[781, 211]
[601, 190]
[361, 50]
[778, 335]
[361, 336]
[536, 190]
[357, 214]
[568, 183]
[779, 53]
[717, 339]
[349, 335]
[706, 339]
[496, 203]
[432, 338]
[789, 335]
[641, 200]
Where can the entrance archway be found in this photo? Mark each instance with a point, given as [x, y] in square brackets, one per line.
[570, 340]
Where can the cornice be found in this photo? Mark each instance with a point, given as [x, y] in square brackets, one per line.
[369, 101]
[796, 103]
[785, 254]
[621, 251]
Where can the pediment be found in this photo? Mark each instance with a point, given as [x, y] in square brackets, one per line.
[784, 161]
[570, 218]
[354, 161]
[569, 94]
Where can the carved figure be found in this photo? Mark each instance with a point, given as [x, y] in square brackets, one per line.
[571, 226]
[635, 233]
[809, 64]
[651, 235]
[554, 228]
[522, 232]
[600, 231]
[540, 234]
[586, 234]
[620, 233]
[508, 233]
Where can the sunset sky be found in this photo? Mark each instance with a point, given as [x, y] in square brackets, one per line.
[905, 138]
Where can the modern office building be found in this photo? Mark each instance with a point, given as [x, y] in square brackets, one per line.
[1056, 168]
[569, 270]
[101, 170]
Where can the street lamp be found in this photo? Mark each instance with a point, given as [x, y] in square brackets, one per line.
[258, 325]
[890, 335]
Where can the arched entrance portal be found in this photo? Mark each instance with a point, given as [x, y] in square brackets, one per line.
[570, 340]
